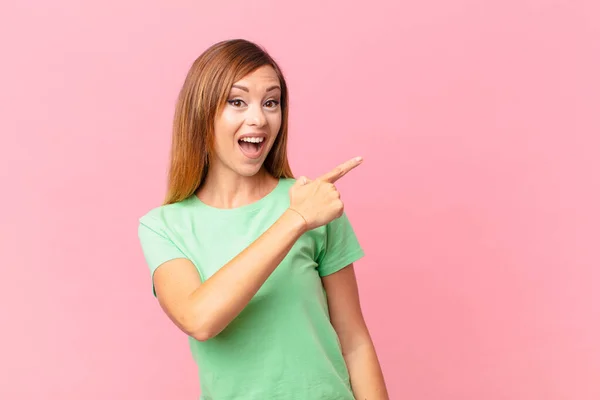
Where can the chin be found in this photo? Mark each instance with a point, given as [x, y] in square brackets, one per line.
[249, 170]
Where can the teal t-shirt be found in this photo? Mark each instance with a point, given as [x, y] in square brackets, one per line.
[282, 345]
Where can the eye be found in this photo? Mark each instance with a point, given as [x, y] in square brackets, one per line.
[274, 103]
[236, 102]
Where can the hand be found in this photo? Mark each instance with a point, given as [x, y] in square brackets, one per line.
[318, 201]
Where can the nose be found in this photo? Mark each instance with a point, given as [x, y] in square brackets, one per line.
[256, 116]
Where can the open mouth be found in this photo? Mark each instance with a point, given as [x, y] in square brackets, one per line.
[252, 146]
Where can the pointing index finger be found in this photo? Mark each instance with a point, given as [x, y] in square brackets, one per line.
[341, 170]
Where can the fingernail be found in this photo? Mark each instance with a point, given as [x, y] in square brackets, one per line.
[358, 159]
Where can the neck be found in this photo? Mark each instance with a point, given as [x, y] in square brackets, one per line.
[227, 189]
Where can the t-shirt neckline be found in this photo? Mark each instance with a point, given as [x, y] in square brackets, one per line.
[241, 209]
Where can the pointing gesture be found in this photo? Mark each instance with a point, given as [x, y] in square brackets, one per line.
[318, 202]
[340, 170]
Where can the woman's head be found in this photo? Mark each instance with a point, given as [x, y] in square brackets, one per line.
[231, 113]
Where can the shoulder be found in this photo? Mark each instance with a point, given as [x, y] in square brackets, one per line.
[281, 192]
[287, 183]
[163, 216]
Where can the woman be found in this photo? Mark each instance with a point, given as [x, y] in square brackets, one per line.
[255, 266]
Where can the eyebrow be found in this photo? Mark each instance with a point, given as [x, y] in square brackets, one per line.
[245, 89]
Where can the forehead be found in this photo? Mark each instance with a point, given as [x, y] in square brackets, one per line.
[264, 75]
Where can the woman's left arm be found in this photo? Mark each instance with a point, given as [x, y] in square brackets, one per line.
[366, 377]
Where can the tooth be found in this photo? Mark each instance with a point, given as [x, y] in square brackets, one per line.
[253, 140]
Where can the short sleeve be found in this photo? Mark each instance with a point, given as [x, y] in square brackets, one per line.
[156, 245]
[341, 247]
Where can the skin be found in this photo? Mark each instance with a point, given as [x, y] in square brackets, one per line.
[203, 310]
[234, 180]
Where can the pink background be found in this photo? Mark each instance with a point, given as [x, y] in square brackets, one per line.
[477, 203]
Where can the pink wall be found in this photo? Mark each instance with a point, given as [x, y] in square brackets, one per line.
[477, 203]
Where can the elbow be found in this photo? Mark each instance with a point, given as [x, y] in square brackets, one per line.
[201, 330]
[200, 323]
[202, 335]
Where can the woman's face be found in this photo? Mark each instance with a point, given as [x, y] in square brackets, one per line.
[247, 127]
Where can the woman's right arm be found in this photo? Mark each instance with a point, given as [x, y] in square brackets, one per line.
[203, 310]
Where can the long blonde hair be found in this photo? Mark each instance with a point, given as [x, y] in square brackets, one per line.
[203, 97]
